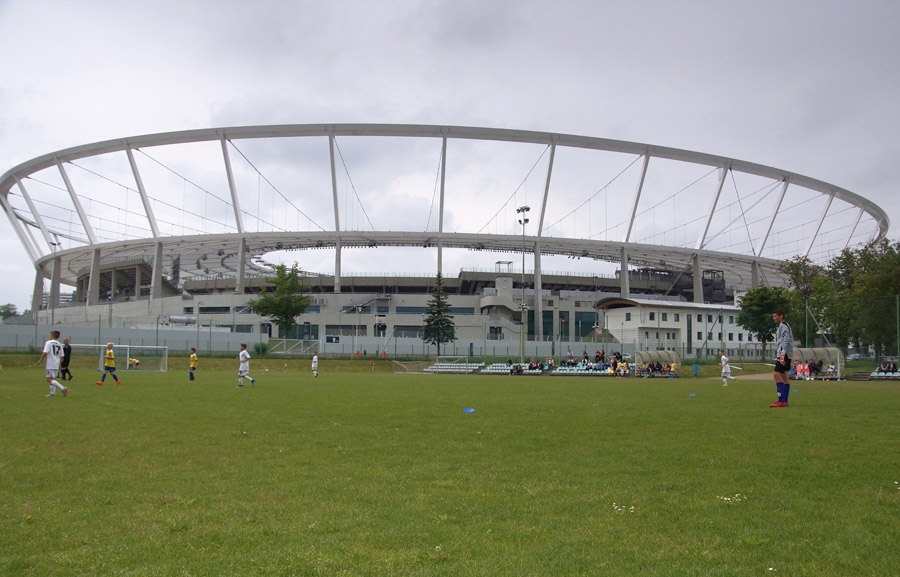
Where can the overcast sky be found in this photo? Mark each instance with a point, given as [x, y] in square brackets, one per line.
[808, 87]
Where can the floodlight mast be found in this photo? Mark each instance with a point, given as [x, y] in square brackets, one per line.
[523, 210]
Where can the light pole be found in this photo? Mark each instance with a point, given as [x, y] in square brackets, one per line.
[358, 311]
[198, 323]
[50, 304]
[523, 220]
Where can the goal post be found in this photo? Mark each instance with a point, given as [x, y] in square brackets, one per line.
[128, 357]
[413, 367]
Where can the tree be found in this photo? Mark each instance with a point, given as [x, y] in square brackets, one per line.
[284, 301]
[439, 327]
[877, 285]
[860, 302]
[803, 276]
[838, 312]
[756, 312]
[8, 310]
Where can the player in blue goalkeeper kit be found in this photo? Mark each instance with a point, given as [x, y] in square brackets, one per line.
[784, 351]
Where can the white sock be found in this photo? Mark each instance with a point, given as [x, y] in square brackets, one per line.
[54, 383]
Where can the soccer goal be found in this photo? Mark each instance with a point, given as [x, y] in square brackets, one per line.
[128, 357]
[452, 360]
[415, 367]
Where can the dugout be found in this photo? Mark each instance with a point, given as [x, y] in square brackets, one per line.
[661, 357]
[827, 355]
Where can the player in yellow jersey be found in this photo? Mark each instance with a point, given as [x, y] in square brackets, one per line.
[193, 362]
[109, 365]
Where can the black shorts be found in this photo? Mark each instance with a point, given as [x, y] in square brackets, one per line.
[779, 368]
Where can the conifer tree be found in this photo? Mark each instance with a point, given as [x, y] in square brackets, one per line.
[439, 327]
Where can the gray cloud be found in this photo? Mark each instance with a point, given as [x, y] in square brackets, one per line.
[799, 85]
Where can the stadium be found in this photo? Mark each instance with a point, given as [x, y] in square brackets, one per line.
[546, 242]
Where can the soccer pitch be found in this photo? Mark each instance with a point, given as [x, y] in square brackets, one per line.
[380, 474]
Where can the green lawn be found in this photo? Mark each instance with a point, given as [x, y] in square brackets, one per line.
[369, 473]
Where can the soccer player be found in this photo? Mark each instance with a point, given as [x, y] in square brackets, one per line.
[52, 352]
[64, 361]
[315, 364]
[109, 365]
[726, 368]
[244, 369]
[193, 362]
[784, 350]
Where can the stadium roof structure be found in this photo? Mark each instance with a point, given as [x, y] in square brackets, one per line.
[118, 200]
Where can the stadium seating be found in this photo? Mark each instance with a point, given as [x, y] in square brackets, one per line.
[504, 369]
[884, 376]
[581, 371]
[454, 368]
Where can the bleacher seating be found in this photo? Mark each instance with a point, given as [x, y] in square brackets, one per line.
[504, 369]
[875, 375]
[581, 371]
[454, 368]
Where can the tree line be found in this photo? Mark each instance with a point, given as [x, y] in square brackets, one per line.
[852, 299]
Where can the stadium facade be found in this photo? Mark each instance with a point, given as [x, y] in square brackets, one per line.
[150, 230]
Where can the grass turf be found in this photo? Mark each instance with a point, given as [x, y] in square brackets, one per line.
[370, 473]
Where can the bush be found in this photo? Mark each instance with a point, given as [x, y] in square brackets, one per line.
[261, 349]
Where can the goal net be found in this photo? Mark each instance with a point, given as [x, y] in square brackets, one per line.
[128, 357]
[452, 360]
[411, 366]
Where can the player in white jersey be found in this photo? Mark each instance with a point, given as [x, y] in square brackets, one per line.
[726, 368]
[244, 368]
[52, 353]
[315, 364]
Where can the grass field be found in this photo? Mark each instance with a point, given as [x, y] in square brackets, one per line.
[369, 473]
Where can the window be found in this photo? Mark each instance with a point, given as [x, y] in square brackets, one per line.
[699, 336]
[709, 318]
[731, 319]
[719, 338]
[709, 336]
[720, 319]
[740, 337]
[677, 317]
[652, 316]
[730, 336]
[657, 335]
[699, 318]
[627, 316]
[665, 316]
[462, 310]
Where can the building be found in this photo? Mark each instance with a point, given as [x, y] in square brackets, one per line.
[181, 228]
